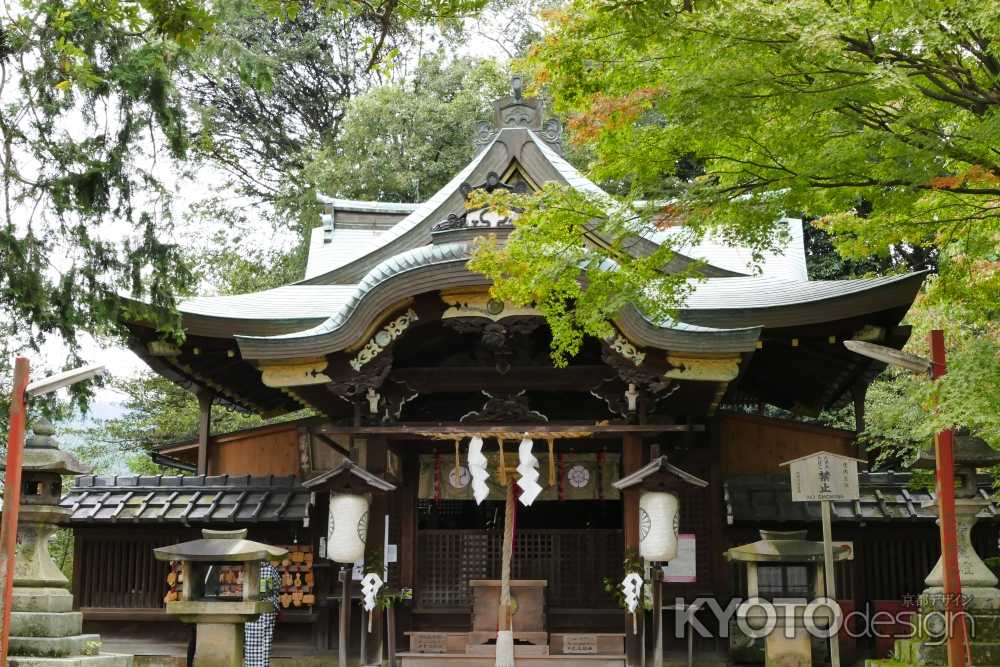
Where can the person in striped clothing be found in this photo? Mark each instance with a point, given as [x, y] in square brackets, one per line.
[260, 633]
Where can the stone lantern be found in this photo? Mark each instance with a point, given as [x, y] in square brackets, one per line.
[219, 610]
[44, 628]
[979, 584]
[786, 570]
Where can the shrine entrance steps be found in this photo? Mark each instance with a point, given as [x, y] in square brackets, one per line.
[537, 649]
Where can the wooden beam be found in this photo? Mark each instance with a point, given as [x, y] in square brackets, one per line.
[327, 440]
[204, 429]
[418, 430]
[475, 378]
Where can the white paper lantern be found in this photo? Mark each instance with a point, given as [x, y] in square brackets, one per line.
[658, 523]
[348, 527]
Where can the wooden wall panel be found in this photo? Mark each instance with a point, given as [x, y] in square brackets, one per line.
[752, 444]
[269, 453]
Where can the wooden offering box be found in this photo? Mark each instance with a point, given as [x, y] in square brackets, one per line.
[528, 598]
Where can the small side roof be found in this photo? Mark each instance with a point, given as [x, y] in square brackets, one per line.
[350, 469]
[659, 464]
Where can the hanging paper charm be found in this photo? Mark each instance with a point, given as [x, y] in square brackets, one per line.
[370, 585]
[632, 589]
[477, 468]
[528, 470]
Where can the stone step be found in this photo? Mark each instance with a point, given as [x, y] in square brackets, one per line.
[916, 652]
[100, 660]
[458, 660]
[54, 647]
[520, 650]
[46, 624]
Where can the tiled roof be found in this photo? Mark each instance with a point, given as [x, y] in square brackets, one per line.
[788, 263]
[332, 249]
[290, 302]
[187, 500]
[764, 292]
[885, 496]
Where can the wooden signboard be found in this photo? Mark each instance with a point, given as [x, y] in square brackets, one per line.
[824, 476]
[580, 643]
[429, 642]
[684, 568]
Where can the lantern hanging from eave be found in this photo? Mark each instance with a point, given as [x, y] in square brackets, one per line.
[658, 524]
[350, 487]
[348, 528]
[659, 484]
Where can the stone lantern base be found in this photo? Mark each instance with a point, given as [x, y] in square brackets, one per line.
[44, 629]
[981, 601]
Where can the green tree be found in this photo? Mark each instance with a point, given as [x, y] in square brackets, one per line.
[404, 140]
[99, 102]
[878, 120]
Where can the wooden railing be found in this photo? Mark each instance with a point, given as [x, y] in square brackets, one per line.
[573, 562]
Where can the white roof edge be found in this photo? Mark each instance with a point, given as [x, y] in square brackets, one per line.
[419, 211]
[362, 205]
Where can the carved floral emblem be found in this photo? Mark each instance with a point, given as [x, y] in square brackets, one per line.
[459, 477]
[578, 476]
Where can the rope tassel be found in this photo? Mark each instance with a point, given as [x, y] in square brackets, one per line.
[503, 464]
[552, 461]
[505, 621]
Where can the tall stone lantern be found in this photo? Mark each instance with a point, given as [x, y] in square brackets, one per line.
[44, 628]
[979, 584]
[219, 612]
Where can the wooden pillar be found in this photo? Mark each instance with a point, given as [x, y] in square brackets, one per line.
[407, 499]
[204, 429]
[375, 454]
[718, 544]
[632, 460]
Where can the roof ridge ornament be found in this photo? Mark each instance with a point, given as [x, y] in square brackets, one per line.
[520, 112]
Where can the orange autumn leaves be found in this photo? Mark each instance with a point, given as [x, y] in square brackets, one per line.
[608, 113]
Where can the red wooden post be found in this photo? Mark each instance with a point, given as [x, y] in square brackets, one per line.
[12, 497]
[958, 651]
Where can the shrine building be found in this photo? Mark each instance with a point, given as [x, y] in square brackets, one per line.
[402, 356]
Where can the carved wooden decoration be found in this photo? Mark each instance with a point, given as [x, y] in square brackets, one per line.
[512, 408]
[295, 375]
[383, 338]
[370, 377]
[723, 369]
[480, 304]
[625, 348]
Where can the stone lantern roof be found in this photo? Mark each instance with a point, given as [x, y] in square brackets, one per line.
[969, 450]
[784, 547]
[42, 453]
[220, 546]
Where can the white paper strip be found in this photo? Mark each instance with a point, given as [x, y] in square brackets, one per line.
[477, 469]
[528, 470]
[370, 585]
